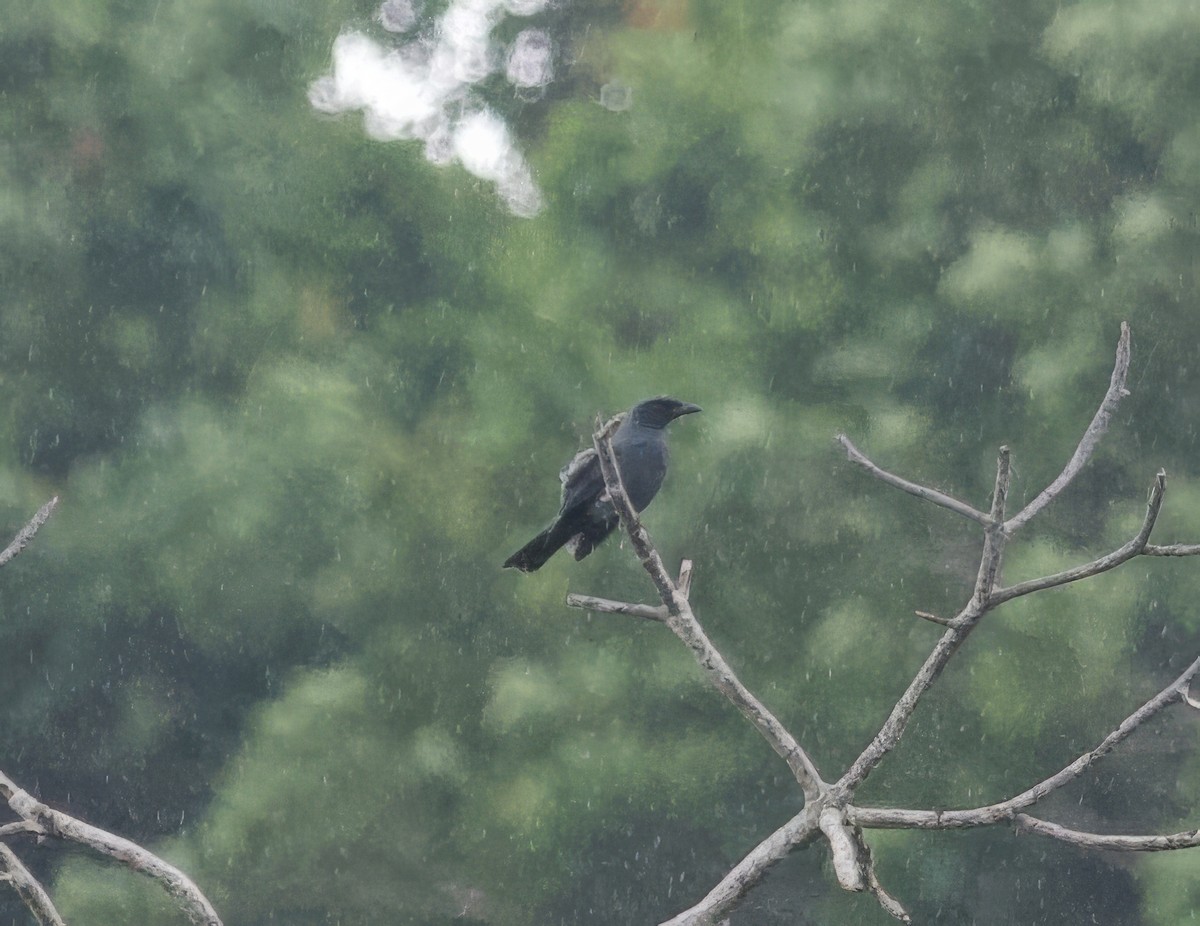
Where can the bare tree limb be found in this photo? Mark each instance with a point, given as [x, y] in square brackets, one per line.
[1185, 840]
[880, 818]
[648, 612]
[21, 828]
[890, 904]
[798, 831]
[961, 626]
[1173, 549]
[64, 826]
[1087, 444]
[1127, 552]
[930, 495]
[684, 625]
[828, 810]
[28, 888]
[846, 862]
[28, 532]
[684, 583]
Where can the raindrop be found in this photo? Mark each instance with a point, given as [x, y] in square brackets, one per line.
[616, 96]
[529, 60]
[398, 15]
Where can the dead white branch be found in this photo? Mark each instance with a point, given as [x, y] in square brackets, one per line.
[798, 831]
[829, 811]
[684, 625]
[28, 532]
[1122, 555]
[648, 612]
[891, 818]
[847, 865]
[930, 495]
[63, 826]
[28, 888]
[1185, 840]
[1087, 444]
[960, 627]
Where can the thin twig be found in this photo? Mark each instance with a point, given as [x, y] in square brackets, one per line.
[27, 533]
[1172, 549]
[890, 904]
[993, 537]
[944, 621]
[1087, 444]
[63, 826]
[930, 495]
[891, 818]
[1127, 552]
[684, 582]
[648, 612]
[28, 888]
[1185, 840]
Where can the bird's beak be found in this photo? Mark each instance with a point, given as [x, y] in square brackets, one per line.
[687, 408]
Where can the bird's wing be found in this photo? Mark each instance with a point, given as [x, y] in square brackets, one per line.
[570, 473]
[581, 479]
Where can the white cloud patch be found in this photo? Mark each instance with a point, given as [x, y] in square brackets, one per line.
[421, 90]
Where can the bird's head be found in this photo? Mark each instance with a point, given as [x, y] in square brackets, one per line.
[660, 411]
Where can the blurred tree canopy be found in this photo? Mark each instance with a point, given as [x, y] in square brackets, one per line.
[302, 391]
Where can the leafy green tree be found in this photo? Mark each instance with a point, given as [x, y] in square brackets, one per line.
[302, 391]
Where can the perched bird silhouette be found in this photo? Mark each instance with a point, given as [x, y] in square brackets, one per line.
[586, 515]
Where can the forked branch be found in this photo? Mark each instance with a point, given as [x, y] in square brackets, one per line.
[684, 625]
[28, 888]
[1089, 441]
[39, 820]
[61, 825]
[893, 818]
[829, 811]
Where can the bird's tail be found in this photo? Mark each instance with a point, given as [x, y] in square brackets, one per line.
[534, 554]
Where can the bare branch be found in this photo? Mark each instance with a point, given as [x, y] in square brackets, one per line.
[847, 865]
[944, 621]
[64, 826]
[890, 904]
[1189, 700]
[1089, 441]
[886, 818]
[684, 583]
[21, 828]
[930, 495]
[589, 603]
[959, 628]
[684, 625]
[27, 533]
[1127, 552]
[1173, 549]
[1185, 840]
[28, 887]
[993, 538]
[798, 831]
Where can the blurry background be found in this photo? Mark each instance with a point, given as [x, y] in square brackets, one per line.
[303, 305]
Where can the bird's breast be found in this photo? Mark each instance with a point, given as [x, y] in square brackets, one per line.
[643, 465]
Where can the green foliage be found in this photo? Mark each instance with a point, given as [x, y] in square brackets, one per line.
[302, 391]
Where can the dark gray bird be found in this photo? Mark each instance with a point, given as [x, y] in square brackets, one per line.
[586, 515]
